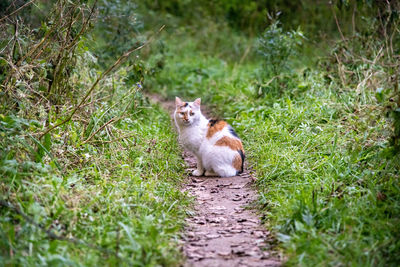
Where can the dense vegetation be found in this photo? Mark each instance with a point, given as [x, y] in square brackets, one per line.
[90, 169]
[318, 112]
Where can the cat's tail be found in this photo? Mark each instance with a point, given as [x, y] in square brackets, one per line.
[242, 156]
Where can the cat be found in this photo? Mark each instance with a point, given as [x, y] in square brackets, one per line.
[218, 149]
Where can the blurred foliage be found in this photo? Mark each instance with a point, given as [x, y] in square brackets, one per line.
[241, 15]
[367, 60]
[316, 18]
[276, 47]
[117, 29]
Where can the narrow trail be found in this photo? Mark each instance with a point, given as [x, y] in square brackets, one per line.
[223, 231]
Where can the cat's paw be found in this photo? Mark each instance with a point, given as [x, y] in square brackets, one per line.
[197, 173]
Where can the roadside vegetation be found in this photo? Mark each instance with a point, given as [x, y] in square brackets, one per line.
[318, 113]
[91, 170]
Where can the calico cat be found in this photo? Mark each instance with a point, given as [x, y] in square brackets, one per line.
[218, 149]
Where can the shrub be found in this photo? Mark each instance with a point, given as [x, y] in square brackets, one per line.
[277, 46]
[368, 61]
[117, 29]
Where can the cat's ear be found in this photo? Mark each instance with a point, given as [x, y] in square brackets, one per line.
[178, 102]
[197, 102]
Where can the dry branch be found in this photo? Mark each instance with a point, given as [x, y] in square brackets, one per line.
[17, 10]
[104, 74]
[98, 130]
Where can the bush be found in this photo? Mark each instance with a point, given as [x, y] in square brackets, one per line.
[368, 62]
[38, 64]
[117, 29]
[277, 46]
[88, 173]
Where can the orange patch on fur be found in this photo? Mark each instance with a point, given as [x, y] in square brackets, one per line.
[218, 126]
[237, 162]
[181, 107]
[232, 143]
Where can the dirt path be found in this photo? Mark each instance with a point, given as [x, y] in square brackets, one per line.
[222, 231]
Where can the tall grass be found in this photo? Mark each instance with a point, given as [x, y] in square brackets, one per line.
[321, 148]
[90, 169]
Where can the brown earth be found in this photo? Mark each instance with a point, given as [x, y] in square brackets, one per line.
[224, 230]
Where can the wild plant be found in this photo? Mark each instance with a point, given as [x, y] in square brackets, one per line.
[80, 147]
[368, 61]
[278, 49]
[37, 62]
[117, 29]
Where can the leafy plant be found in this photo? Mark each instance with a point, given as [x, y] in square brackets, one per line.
[89, 175]
[117, 29]
[277, 47]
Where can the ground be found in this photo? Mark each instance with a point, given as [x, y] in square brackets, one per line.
[224, 229]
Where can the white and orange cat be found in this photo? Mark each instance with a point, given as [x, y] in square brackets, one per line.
[218, 149]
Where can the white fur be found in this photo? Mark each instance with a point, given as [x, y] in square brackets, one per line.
[212, 160]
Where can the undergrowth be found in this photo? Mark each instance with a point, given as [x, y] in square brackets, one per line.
[327, 169]
[90, 170]
[114, 201]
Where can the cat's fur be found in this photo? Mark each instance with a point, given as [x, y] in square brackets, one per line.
[218, 149]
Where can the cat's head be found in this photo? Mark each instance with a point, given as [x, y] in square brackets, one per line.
[187, 112]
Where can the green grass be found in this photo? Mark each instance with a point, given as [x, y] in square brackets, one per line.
[117, 195]
[327, 178]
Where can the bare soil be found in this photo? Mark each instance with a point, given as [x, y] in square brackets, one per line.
[224, 230]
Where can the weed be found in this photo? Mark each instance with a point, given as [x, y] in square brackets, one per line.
[276, 47]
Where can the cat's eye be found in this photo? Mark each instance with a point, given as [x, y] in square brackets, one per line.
[191, 113]
[182, 113]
